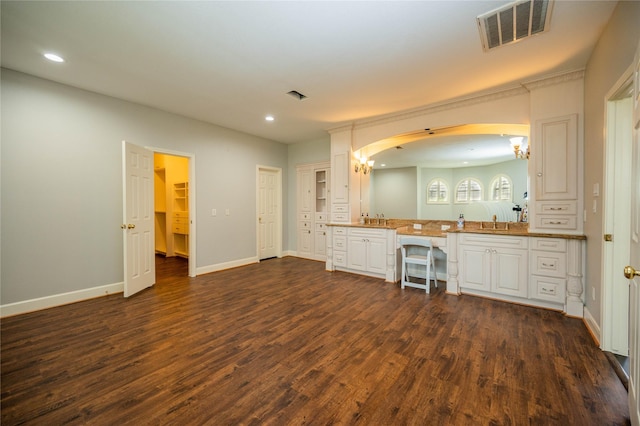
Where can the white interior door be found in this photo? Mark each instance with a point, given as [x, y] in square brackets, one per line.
[138, 223]
[634, 258]
[268, 217]
[617, 204]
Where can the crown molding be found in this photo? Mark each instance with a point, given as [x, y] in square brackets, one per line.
[523, 88]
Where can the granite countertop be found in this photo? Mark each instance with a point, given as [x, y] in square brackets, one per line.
[433, 228]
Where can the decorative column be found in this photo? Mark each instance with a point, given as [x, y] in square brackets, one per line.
[574, 305]
[329, 262]
[453, 286]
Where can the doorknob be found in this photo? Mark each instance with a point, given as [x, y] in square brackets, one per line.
[629, 272]
[130, 226]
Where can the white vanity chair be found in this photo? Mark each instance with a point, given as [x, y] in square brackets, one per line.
[417, 251]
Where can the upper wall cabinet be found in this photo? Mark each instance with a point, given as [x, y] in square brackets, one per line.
[555, 165]
[556, 158]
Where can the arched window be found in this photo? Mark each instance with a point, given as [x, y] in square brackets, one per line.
[468, 190]
[501, 188]
[437, 192]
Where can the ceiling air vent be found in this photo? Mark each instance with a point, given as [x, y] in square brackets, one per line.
[514, 22]
[296, 94]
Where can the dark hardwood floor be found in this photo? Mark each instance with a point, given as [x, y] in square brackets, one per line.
[285, 343]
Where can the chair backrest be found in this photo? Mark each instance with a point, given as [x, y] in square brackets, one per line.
[416, 241]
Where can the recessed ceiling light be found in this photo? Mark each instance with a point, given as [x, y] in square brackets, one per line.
[269, 118]
[53, 57]
[383, 165]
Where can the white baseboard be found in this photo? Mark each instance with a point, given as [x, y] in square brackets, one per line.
[226, 265]
[592, 325]
[25, 306]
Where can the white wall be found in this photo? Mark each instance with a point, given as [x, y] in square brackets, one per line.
[611, 57]
[394, 193]
[62, 185]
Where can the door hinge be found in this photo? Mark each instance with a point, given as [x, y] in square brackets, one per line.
[608, 237]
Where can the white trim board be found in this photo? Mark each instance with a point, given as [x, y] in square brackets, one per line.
[52, 301]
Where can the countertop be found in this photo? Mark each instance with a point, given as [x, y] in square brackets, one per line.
[433, 228]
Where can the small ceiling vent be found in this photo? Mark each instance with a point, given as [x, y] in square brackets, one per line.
[296, 94]
[514, 22]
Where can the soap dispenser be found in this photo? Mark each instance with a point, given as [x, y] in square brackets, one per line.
[461, 221]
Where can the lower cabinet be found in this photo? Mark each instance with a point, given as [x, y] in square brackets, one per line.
[367, 254]
[362, 250]
[496, 265]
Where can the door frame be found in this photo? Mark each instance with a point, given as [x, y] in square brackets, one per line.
[615, 216]
[192, 202]
[278, 172]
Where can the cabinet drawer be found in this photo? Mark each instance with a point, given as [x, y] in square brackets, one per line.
[367, 232]
[547, 289]
[181, 220]
[549, 244]
[305, 216]
[340, 217]
[341, 208]
[305, 225]
[321, 217]
[339, 231]
[340, 243]
[556, 207]
[181, 214]
[494, 241]
[552, 264]
[556, 222]
[321, 226]
[340, 258]
[180, 229]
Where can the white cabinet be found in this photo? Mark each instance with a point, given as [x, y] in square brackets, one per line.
[313, 183]
[367, 254]
[362, 250]
[548, 260]
[555, 157]
[340, 183]
[494, 264]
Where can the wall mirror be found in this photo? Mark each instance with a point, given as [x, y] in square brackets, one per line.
[446, 159]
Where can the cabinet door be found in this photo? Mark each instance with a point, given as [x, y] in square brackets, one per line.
[509, 272]
[377, 255]
[556, 158]
[305, 242]
[475, 267]
[305, 192]
[340, 173]
[320, 242]
[357, 253]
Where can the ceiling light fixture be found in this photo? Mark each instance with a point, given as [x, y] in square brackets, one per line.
[269, 118]
[516, 143]
[53, 57]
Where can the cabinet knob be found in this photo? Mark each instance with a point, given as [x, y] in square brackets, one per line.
[539, 174]
[130, 226]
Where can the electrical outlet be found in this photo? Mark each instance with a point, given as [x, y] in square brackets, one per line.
[593, 293]
[417, 226]
[226, 212]
[214, 212]
[445, 227]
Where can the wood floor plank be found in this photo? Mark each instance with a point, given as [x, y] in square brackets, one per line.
[285, 342]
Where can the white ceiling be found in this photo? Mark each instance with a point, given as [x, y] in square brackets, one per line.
[232, 63]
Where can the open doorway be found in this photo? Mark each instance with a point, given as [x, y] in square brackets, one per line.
[173, 211]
